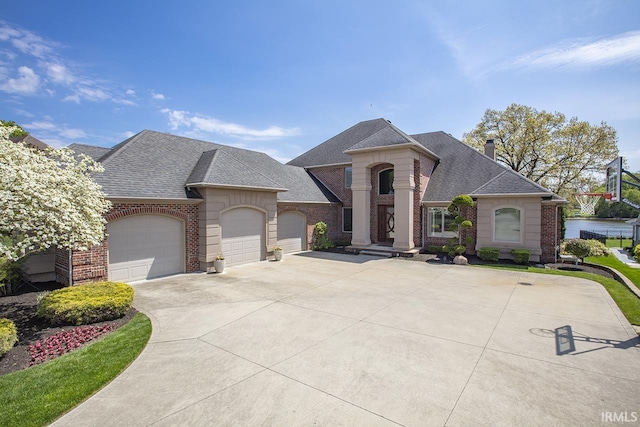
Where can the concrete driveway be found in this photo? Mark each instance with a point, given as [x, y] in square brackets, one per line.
[325, 339]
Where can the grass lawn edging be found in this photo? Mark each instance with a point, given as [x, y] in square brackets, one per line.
[39, 395]
[627, 301]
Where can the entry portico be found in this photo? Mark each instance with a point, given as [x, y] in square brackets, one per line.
[406, 157]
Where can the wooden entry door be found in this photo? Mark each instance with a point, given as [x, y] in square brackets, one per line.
[386, 223]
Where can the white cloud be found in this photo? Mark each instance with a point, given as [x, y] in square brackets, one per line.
[46, 125]
[614, 50]
[72, 98]
[43, 57]
[158, 96]
[27, 82]
[60, 74]
[26, 41]
[127, 134]
[54, 134]
[184, 119]
[73, 133]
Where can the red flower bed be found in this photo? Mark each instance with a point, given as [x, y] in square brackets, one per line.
[65, 341]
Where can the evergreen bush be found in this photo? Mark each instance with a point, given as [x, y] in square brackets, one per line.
[8, 336]
[521, 256]
[489, 254]
[89, 303]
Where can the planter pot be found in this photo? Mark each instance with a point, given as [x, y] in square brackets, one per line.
[218, 265]
[277, 255]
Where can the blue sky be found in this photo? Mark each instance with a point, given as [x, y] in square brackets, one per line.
[283, 76]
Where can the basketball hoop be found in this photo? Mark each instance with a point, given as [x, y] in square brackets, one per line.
[588, 201]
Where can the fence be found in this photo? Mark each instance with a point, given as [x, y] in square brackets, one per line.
[608, 234]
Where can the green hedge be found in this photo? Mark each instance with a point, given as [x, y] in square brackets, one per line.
[8, 336]
[521, 256]
[489, 254]
[83, 304]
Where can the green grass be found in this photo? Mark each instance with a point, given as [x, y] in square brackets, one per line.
[626, 300]
[630, 273]
[38, 395]
[619, 243]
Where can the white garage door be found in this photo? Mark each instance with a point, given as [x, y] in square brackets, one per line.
[292, 232]
[243, 231]
[145, 246]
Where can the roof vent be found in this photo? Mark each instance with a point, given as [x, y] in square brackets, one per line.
[490, 149]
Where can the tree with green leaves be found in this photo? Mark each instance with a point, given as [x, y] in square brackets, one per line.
[17, 129]
[558, 153]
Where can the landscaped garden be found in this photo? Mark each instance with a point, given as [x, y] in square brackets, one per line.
[71, 342]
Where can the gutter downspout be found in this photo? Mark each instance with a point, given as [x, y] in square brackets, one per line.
[556, 245]
[422, 217]
[70, 267]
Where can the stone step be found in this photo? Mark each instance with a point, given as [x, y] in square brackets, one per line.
[383, 254]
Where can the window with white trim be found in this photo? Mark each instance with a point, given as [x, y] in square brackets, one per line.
[347, 177]
[442, 223]
[507, 225]
[347, 220]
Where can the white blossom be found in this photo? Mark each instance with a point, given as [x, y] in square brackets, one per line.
[48, 199]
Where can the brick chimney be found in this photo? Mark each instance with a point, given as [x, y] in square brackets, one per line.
[490, 149]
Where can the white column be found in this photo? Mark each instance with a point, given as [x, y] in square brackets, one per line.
[361, 192]
[403, 187]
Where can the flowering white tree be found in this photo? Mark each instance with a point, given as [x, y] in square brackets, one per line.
[47, 199]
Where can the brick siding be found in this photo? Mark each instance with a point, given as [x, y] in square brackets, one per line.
[333, 179]
[329, 214]
[549, 235]
[92, 264]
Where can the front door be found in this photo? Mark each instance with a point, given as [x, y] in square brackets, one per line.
[385, 224]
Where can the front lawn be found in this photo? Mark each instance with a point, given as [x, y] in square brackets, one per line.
[39, 395]
[630, 273]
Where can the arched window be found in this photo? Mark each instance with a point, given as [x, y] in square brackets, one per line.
[385, 182]
[507, 225]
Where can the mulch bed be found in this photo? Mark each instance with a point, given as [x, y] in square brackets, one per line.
[21, 309]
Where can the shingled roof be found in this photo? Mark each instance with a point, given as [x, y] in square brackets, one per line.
[162, 166]
[90, 150]
[331, 152]
[464, 170]
[30, 141]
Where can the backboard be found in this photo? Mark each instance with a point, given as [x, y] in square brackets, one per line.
[614, 179]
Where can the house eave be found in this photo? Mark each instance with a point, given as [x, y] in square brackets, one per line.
[305, 202]
[412, 145]
[124, 199]
[236, 187]
[493, 195]
[329, 165]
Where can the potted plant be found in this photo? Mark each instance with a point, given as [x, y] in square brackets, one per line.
[218, 263]
[277, 253]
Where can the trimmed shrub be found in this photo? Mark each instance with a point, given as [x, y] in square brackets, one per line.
[489, 254]
[520, 256]
[597, 248]
[583, 248]
[321, 238]
[90, 303]
[459, 249]
[577, 247]
[9, 276]
[636, 252]
[8, 336]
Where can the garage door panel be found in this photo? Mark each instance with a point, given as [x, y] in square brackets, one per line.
[292, 232]
[243, 231]
[145, 246]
